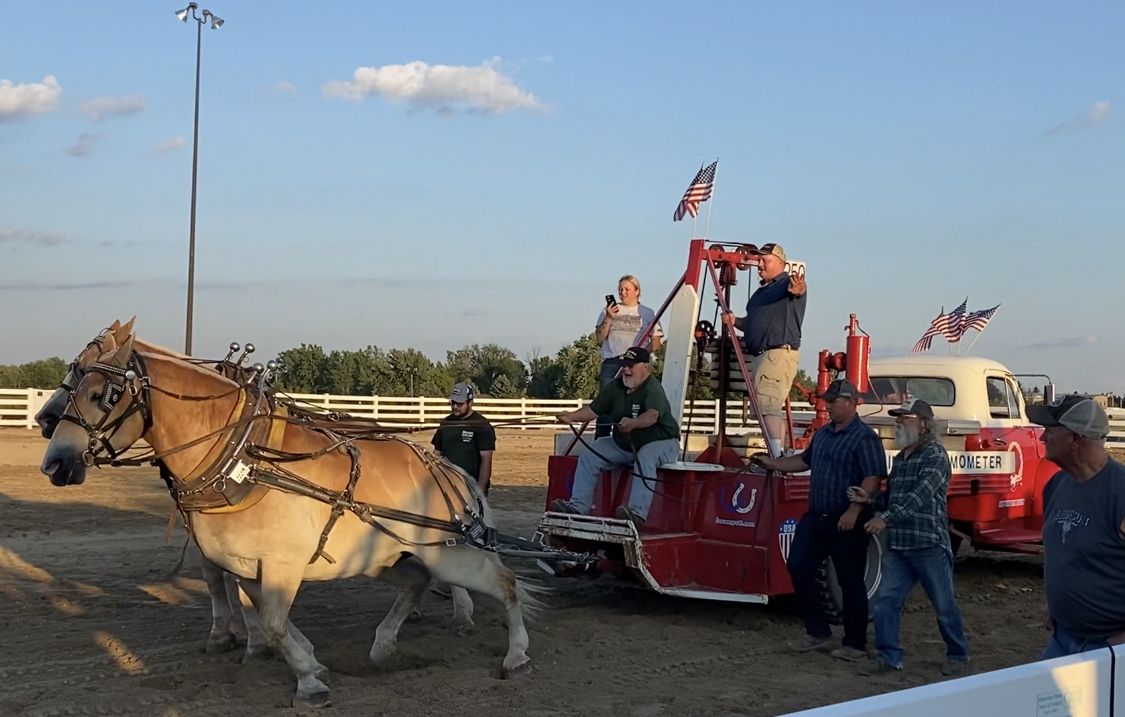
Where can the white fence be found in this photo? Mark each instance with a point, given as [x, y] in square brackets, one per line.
[1091, 684]
[19, 406]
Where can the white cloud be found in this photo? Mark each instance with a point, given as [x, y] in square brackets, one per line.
[25, 100]
[1098, 113]
[99, 108]
[286, 86]
[445, 88]
[84, 145]
[175, 143]
[26, 236]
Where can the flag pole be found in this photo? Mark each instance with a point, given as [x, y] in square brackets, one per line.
[981, 332]
[711, 199]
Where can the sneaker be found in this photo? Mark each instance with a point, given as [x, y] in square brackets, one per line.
[809, 643]
[849, 653]
[625, 514]
[564, 506]
[878, 667]
[955, 668]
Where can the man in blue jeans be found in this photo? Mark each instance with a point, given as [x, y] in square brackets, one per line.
[1083, 529]
[845, 453]
[645, 436]
[914, 516]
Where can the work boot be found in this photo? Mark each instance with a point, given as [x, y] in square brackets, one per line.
[878, 666]
[955, 668]
[809, 643]
[625, 514]
[559, 505]
[849, 653]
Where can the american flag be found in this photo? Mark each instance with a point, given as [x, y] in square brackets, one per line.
[955, 328]
[938, 327]
[979, 319]
[697, 193]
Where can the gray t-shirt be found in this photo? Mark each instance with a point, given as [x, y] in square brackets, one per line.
[1084, 553]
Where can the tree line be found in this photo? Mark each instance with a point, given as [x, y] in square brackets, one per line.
[492, 370]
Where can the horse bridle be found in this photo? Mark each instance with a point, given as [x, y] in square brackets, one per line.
[119, 382]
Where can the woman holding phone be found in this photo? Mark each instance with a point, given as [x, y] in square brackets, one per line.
[620, 324]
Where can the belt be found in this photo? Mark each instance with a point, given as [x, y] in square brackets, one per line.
[771, 348]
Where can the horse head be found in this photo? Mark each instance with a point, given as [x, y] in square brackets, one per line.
[106, 411]
[109, 339]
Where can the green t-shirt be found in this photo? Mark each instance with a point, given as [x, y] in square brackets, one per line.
[616, 402]
[461, 440]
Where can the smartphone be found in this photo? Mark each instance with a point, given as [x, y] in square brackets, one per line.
[609, 300]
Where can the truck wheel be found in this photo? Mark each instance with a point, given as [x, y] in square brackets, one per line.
[831, 595]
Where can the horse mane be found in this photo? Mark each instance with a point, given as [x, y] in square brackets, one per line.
[196, 368]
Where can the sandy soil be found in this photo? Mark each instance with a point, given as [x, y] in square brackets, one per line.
[89, 626]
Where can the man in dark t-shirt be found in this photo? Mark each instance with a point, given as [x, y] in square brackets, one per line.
[1083, 529]
[466, 438]
[642, 420]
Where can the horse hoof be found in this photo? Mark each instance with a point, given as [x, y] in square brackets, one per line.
[379, 653]
[523, 669]
[462, 628]
[315, 700]
[226, 643]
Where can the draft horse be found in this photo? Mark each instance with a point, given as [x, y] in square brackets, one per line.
[233, 620]
[298, 502]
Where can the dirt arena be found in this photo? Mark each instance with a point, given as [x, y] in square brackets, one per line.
[88, 626]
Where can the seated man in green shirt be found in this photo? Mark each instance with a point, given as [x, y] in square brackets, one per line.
[642, 421]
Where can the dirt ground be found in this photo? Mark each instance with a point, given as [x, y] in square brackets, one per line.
[88, 626]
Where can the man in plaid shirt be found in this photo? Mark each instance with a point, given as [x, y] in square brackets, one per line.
[913, 512]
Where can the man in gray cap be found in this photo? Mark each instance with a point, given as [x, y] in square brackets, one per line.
[913, 512]
[466, 438]
[1083, 529]
[771, 330]
[845, 453]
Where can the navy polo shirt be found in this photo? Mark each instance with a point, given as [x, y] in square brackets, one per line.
[774, 316]
[839, 459]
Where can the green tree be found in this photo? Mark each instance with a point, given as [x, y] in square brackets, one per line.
[300, 369]
[484, 365]
[580, 363]
[544, 374]
[411, 368]
[11, 377]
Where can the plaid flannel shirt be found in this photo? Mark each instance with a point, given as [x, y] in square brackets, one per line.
[914, 505]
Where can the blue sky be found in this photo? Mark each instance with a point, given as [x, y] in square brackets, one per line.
[912, 154]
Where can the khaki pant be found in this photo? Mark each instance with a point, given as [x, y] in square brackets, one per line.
[773, 373]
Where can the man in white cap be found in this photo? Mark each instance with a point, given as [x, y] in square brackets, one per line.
[771, 331]
[466, 438]
[1083, 529]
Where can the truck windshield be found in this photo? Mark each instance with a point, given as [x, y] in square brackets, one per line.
[894, 390]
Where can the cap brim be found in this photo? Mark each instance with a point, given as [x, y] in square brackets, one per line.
[901, 412]
[1041, 415]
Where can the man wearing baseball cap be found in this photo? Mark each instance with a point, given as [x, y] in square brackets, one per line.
[913, 512]
[642, 420]
[1083, 529]
[771, 331]
[845, 453]
[466, 438]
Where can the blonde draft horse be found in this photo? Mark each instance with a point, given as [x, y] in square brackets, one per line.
[270, 544]
[233, 620]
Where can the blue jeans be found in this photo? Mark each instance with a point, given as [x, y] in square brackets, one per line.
[1063, 643]
[649, 457]
[610, 367]
[902, 570]
[817, 538]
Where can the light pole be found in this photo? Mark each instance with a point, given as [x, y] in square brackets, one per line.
[216, 23]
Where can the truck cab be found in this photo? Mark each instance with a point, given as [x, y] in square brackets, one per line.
[995, 452]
